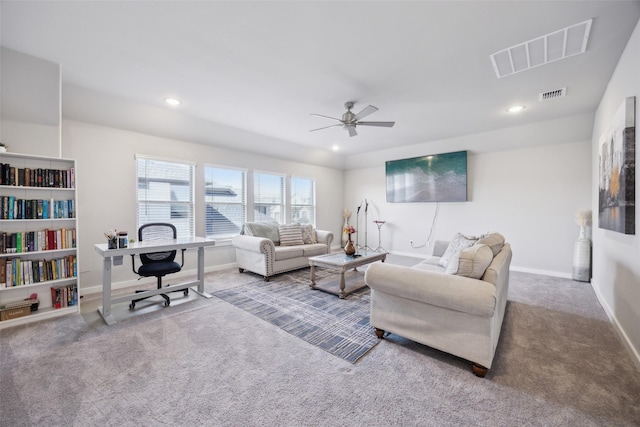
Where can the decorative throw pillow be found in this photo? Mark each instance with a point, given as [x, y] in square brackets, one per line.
[471, 262]
[308, 234]
[494, 240]
[290, 235]
[458, 243]
[266, 230]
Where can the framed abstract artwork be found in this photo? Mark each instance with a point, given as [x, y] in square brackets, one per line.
[435, 178]
[617, 171]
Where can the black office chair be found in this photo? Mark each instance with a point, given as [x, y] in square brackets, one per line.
[157, 264]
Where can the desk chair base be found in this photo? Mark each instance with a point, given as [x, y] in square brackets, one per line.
[167, 300]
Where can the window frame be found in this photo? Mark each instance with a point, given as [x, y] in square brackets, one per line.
[243, 203]
[311, 205]
[283, 198]
[149, 202]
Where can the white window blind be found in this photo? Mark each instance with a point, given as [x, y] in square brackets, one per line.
[303, 200]
[268, 197]
[225, 201]
[165, 194]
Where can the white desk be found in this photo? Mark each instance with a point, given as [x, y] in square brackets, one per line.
[147, 247]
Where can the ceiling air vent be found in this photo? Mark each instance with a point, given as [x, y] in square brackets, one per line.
[551, 47]
[553, 94]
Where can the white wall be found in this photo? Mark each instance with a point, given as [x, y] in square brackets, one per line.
[106, 179]
[30, 104]
[616, 257]
[530, 195]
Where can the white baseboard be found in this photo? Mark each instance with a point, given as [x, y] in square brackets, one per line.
[633, 352]
[541, 272]
[147, 280]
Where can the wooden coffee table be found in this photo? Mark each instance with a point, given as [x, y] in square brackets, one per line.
[342, 263]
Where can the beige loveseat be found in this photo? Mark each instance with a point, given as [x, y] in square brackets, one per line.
[453, 301]
[268, 248]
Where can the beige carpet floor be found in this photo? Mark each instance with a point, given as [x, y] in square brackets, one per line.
[208, 363]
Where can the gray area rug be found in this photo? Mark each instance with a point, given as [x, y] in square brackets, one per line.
[209, 363]
[338, 326]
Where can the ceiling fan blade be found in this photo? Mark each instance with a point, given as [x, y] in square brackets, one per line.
[352, 130]
[369, 109]
[326, 127]
[381, 124]
[326, 117]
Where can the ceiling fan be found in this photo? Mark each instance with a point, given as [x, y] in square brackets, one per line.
[350, 120]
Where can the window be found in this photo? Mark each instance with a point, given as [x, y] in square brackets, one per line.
[225, 201]
[303, 200]
[165, 194]
[268, 197]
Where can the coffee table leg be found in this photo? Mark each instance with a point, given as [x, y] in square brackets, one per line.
[342, 294]
[313, 277]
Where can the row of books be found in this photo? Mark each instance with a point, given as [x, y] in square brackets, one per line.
[33, 241]
[19, 272]
[14, 208]
[37, 177]
[64, 296]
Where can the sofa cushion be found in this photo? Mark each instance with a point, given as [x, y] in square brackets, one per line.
[458, 243]
[471, 262]
[290, 235]
[315, 249]
[266, 230]
[494, 240]
[308, 234]
[287, 252]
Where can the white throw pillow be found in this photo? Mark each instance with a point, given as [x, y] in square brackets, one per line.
[290, 234]
[494, 240]
[458, 243]
[471, 262]
[308, 234]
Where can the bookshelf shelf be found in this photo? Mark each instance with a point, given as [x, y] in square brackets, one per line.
[43, 261]
[38, 253]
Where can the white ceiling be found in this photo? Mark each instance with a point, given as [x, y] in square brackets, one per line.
[265, 66]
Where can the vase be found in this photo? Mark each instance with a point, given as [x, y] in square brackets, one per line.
[349, 248]
[582, 258]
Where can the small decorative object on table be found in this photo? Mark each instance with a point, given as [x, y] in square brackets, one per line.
[112, 239]
[349, 248]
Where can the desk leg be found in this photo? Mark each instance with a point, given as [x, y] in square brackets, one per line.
[105, 311]
[200, 287]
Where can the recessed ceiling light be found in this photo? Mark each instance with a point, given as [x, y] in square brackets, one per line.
[335, 147]
[172, 101]
[515, 109]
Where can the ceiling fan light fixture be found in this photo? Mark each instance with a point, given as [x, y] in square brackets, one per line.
[350, 121]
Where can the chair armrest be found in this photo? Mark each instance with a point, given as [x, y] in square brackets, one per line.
[453, 292]
[253, 244]
[324, 236]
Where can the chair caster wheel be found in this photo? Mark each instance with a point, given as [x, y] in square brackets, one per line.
[132, 306]
[167, 303]
[186, 292]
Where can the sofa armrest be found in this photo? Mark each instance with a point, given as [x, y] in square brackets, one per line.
[253, 244]
[324, 236]
[453, 292]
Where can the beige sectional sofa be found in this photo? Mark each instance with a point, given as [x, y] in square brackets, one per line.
[268, 248]
[453, 301]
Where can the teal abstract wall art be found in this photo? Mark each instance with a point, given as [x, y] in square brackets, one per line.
[434, 178]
